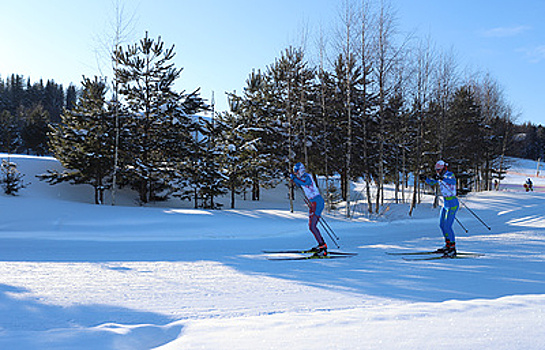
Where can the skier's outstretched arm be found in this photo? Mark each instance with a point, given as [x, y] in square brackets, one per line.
[306, 181]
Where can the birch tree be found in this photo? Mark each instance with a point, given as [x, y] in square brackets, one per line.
[422, 73]
[387, 58]
[346, 46]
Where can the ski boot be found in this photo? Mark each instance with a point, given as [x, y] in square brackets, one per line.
[451, 250]
[445, 248]
[320, 250]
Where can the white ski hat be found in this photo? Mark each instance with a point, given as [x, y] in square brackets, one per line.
[299, 167]
[440, 165]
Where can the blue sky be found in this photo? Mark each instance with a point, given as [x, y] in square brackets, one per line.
[218, 43]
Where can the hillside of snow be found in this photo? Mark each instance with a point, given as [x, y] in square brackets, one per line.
[74, 275]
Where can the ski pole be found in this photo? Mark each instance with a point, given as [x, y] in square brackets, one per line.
[324, 225]
[462, 226]
[322, 221]
[476, 216]
[329, 228]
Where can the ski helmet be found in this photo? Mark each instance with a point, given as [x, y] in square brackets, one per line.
[440, 165]
[298, 168]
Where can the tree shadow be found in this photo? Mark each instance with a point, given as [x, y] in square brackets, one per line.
[27, 323]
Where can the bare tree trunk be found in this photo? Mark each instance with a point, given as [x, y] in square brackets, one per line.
[445, 83]
[383, 65]
[365, 63]
[122, 27]
[424, 64]
[323, 111]
[348, 22]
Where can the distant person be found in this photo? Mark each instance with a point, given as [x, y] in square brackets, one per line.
[315, 205]
[529, 185]
[447, 184]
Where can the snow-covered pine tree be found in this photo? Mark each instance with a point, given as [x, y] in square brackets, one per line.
[281, 87]
[239, 149]
[257, 111]
[83, 141]
[159, 127]
[206, 180]
[11, 179]
[290, 83]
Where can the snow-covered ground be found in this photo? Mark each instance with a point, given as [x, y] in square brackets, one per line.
[74, 275]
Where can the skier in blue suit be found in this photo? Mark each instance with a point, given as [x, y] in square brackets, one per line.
[447, 184]
[315, 204]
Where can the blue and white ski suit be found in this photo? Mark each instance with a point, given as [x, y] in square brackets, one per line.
[316, 203]
[450, 204]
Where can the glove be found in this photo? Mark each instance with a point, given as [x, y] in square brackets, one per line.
[438, 177]
[422, 177]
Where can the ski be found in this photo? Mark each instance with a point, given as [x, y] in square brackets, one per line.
[413, 253]
[458, 256]
[309, 257]
[332, 252]
[433, 253]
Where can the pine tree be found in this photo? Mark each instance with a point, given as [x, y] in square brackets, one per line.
[10, 139]
[348, 118]
[239, 150]
[83, 141]
[206, 180]
[398, 129]
[11, 179]
[15, 93]
[71, 97]
[290, 83]
[258, 113]
[34, 130]
[53, 100]
[464, 141]
[158, 141]
[25, 101]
